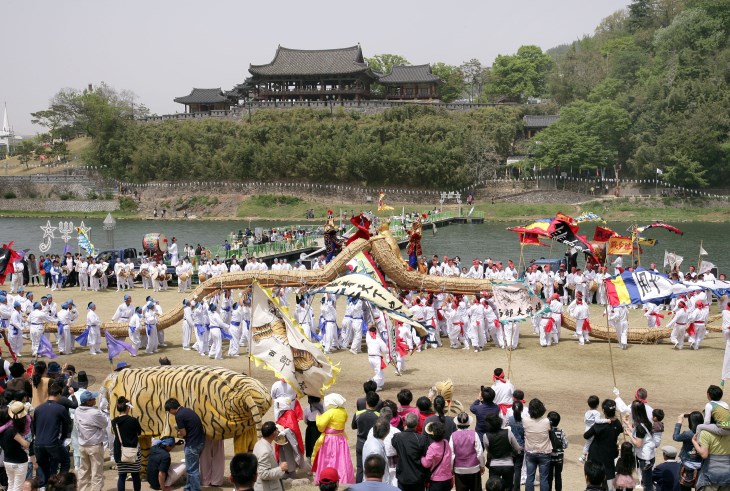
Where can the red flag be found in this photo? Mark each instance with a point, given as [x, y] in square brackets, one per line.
[7, 257]
[603, 234]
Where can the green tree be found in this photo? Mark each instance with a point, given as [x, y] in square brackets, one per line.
[452, 81]
[24, 150]
[384, 63]
[474, 77]
[521, 75]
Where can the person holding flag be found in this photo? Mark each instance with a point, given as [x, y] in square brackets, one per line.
[66, 316]
[36, 319]
[93, 326]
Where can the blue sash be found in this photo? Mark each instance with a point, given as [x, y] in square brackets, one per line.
[226, 309]
[200, 329]
[3, 323]
[132, 329]
[149, 328]
[60, 328]
[235, 323]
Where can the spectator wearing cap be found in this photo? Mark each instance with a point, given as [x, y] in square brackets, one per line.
[243, 471]
[161, 473]
[14, 446]
[51, 425]
[666, 474]
[270, 473]
[92, 428]
[329, 479]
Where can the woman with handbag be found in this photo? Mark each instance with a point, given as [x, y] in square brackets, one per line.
[126, 430]
[689, 459]
[438, 458]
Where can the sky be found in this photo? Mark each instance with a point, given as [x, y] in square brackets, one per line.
[160, 49]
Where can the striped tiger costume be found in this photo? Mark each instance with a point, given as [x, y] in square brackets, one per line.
[230, 405]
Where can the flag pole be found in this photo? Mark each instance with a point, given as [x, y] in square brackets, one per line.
[610, 349]
[699, 258]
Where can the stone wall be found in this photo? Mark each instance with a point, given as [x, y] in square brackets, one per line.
[58, 205]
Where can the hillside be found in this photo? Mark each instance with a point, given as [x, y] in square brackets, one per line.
[76, 147]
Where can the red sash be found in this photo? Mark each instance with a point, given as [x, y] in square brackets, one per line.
[497, 324]
[691, 329]
[461, 326]
[657, 316]
[550, 324]
[382, 363]
[504, 408]
[587, 325]
[439, 315]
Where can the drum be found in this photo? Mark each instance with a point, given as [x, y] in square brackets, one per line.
[592, 286]
[155, 275]
[202, 277]
[123, 273]
[538, 287]
[184, 276]
[154, 242]
[570, 287]
[145, 273]
[556, 285]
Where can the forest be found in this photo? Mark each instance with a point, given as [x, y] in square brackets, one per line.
[646, 94]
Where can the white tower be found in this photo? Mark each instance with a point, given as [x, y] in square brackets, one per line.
[6, 135]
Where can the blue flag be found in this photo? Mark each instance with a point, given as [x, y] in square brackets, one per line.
[116, 346]
[83, 338]
[45, 348]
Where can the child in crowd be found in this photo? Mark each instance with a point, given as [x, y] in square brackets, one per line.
[657, 426]
[591, 417]
[625, 466]
[717, 414]
[558, 453]
[312, 433]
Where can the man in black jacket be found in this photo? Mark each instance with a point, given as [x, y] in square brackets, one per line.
[51, 425]
[595, 476]
[410, 446]
[363, 423]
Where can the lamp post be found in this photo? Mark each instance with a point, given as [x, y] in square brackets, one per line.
[110, 224]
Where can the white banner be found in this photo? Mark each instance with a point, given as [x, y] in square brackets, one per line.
[278, 342]
[516, 302]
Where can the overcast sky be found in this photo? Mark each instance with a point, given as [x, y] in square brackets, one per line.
[160, 49]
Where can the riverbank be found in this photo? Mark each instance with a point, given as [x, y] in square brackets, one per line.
[286, 208]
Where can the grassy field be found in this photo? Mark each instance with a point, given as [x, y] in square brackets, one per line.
[75, 148]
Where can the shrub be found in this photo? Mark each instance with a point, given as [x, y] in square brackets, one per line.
[128, 204]
[273, 200]
[9, 195]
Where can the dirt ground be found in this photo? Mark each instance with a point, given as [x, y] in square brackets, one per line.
[562, 376]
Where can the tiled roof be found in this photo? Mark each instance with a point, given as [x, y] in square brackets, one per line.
[313, 62]
[203, 96]
[539, 121]
[410, 74]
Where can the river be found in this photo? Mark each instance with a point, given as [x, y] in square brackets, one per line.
[466, 241]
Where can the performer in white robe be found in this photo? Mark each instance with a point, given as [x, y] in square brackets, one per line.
[679, 323]
[618, 317]
[377, 353]
[698, 320]
[16, 328]
[188, 323]
[93, 323]
[136, 326]
[217, 326]
[150, 320]
[580, 312]
[66, 316]
[236, 330]
[173, 252]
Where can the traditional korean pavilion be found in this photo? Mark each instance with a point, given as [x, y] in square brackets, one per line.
[312, 75]
[202, 100]
[411, 82]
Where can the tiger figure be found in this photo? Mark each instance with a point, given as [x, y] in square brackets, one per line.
[230, 405]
